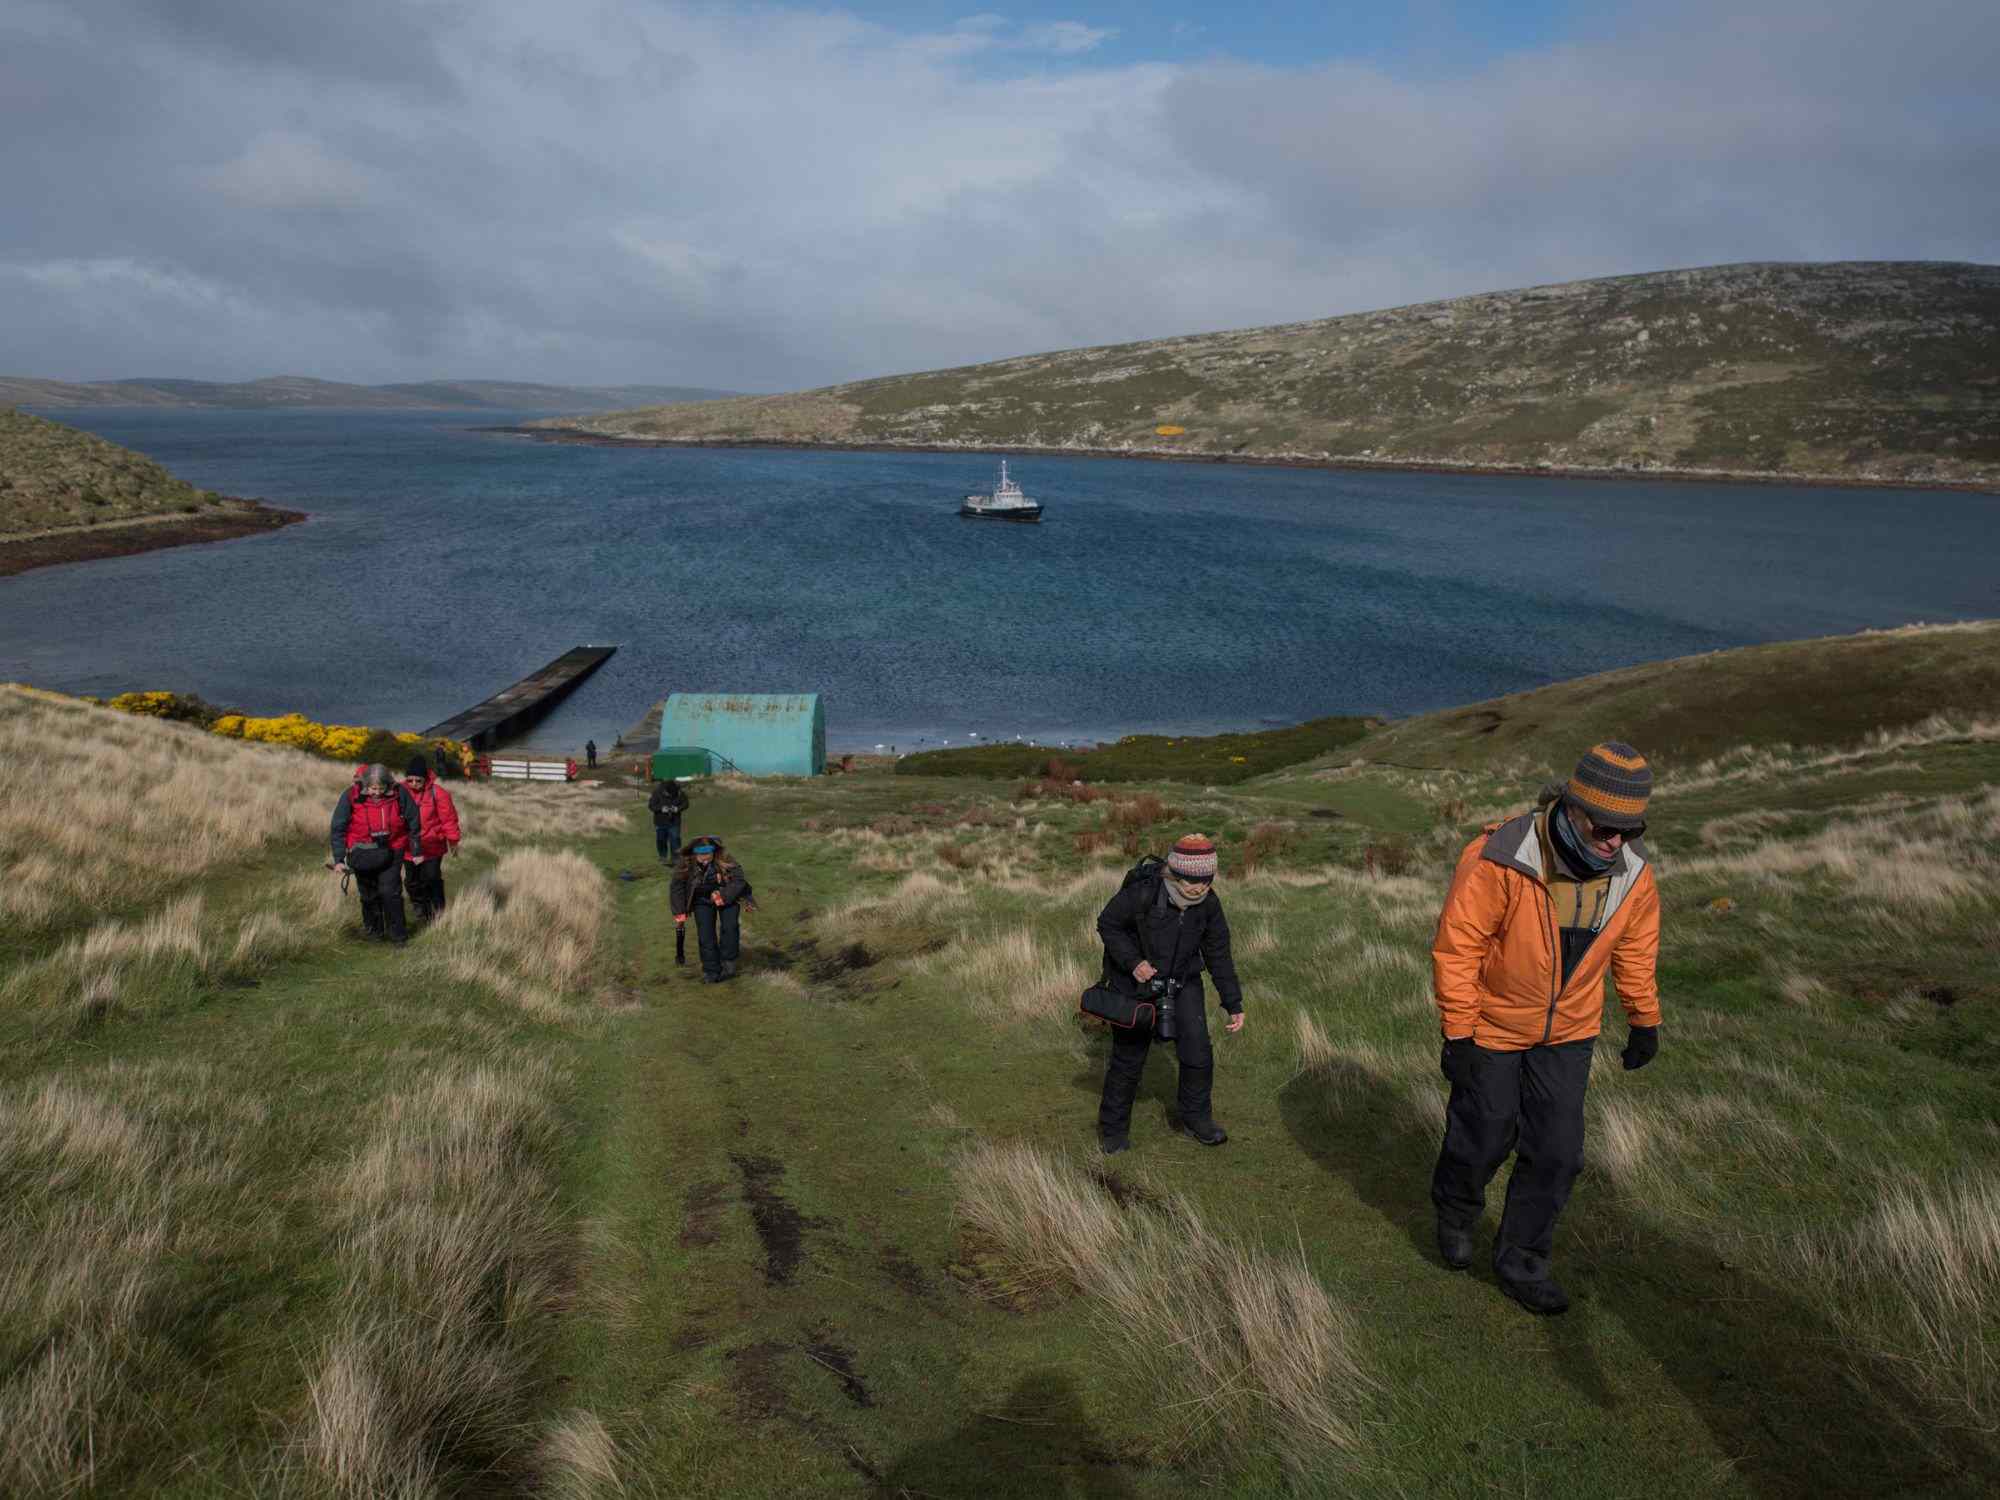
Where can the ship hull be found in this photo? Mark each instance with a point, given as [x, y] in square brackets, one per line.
[1011, 513]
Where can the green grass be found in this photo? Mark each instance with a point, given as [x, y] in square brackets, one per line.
[764, 1284]
[1207, 760]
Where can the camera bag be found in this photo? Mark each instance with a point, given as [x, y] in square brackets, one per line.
[1101, 1000]
[370, 859]
[1120, 1010]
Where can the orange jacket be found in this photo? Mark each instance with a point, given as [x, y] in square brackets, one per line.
[1497, 959]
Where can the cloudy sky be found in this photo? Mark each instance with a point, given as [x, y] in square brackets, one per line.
[765, 197]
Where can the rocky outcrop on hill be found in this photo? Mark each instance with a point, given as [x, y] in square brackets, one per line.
[1861, 372]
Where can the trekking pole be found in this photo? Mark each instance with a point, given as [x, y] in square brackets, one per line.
[680, 944]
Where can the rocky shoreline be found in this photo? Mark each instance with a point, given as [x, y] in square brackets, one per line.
[223, 522]
[1265, 460]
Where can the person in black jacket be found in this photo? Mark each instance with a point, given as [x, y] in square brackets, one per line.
[1168, 924]
[668, 802]
[711, 885]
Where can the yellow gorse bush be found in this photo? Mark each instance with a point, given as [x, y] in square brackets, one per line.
[352, 742]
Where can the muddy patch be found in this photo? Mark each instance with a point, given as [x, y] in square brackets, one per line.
[701, 1214]
[1127, 1194]
[756, 1381]
[780, 1226]
[904, 1272]
[828, 967]
[840, 1360]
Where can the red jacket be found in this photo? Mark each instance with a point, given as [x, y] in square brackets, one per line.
[356, 820]
[440, 818]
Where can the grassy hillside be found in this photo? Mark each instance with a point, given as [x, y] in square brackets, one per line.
[289, 391]
[1856, 371]
[55, 476]
[528, 1210]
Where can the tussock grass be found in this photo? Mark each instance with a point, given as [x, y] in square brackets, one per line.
[1023, 975]
[1918, 1280]
[117, 1183]
[1252, 1353]
[530, 931]
[125, 810]
[455, 1249]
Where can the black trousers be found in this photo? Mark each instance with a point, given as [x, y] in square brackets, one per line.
[426, 885]
[667, 839]
[718, 929]
[382, 901]
[1130, 1046]
[1530, 1104]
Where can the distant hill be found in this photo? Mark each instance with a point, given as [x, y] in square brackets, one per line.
[300, 391]
[1858, 371]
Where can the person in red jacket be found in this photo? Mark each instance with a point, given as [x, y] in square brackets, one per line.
[440, 837]
[376, 831]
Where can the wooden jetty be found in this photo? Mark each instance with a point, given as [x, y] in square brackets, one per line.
[527, 700]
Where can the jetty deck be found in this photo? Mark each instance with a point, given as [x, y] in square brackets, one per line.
[518, 706]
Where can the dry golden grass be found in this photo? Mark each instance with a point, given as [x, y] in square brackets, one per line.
[1019, 974]
[579, 1459]
[531, 931]
[1918, 1280]
[455, 1248]
[1252, 1353]
[125, 810]
[114, 1180]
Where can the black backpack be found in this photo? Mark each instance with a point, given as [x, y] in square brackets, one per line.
[1150, 867]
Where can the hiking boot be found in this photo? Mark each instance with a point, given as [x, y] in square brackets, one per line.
[1204, 1129]
[728, 969]
[1455, 1245]
[711, 979]
[1113, 1144]
[1543, 1296]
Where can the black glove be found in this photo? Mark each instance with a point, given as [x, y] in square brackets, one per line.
[1455, 1061]
[1642, 1045]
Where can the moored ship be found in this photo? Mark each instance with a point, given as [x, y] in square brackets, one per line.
[1006, 503]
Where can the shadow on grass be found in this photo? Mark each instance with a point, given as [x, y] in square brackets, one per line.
[1798, 1410]
[1038, 1442]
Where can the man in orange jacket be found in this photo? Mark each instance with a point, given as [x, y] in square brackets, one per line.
[1541, 908]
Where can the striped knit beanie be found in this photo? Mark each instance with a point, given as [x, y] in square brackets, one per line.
[1612, 783]
[1193, 858]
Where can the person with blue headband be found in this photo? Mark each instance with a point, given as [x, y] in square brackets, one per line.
[709, 885]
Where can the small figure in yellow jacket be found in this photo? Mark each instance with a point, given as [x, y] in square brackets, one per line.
[1541, 908]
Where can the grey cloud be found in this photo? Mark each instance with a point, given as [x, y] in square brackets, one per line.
[633, 191]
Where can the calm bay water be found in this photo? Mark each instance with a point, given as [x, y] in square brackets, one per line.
[442, 563]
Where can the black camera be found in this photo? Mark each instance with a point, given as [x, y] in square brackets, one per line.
[1163, 990]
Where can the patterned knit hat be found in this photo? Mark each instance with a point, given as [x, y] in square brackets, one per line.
[1612, 783]
[1193, 858]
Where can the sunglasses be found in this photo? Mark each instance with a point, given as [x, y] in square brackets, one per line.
[1605, 835]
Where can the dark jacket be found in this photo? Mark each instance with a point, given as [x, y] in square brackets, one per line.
[345, 834]
[668, 802]
[1180, 944]
[693, 885]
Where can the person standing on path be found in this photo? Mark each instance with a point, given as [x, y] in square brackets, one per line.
[590, 754]
[440, 837]
[376, 830]
[668, 801]
[1541, 908]
[710, 885]
[1168, 924]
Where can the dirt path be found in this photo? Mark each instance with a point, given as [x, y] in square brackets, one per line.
[772, 1176]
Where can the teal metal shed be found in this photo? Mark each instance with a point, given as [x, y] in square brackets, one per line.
[760, 734]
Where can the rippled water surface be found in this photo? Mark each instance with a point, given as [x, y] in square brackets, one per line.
[442, 563]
